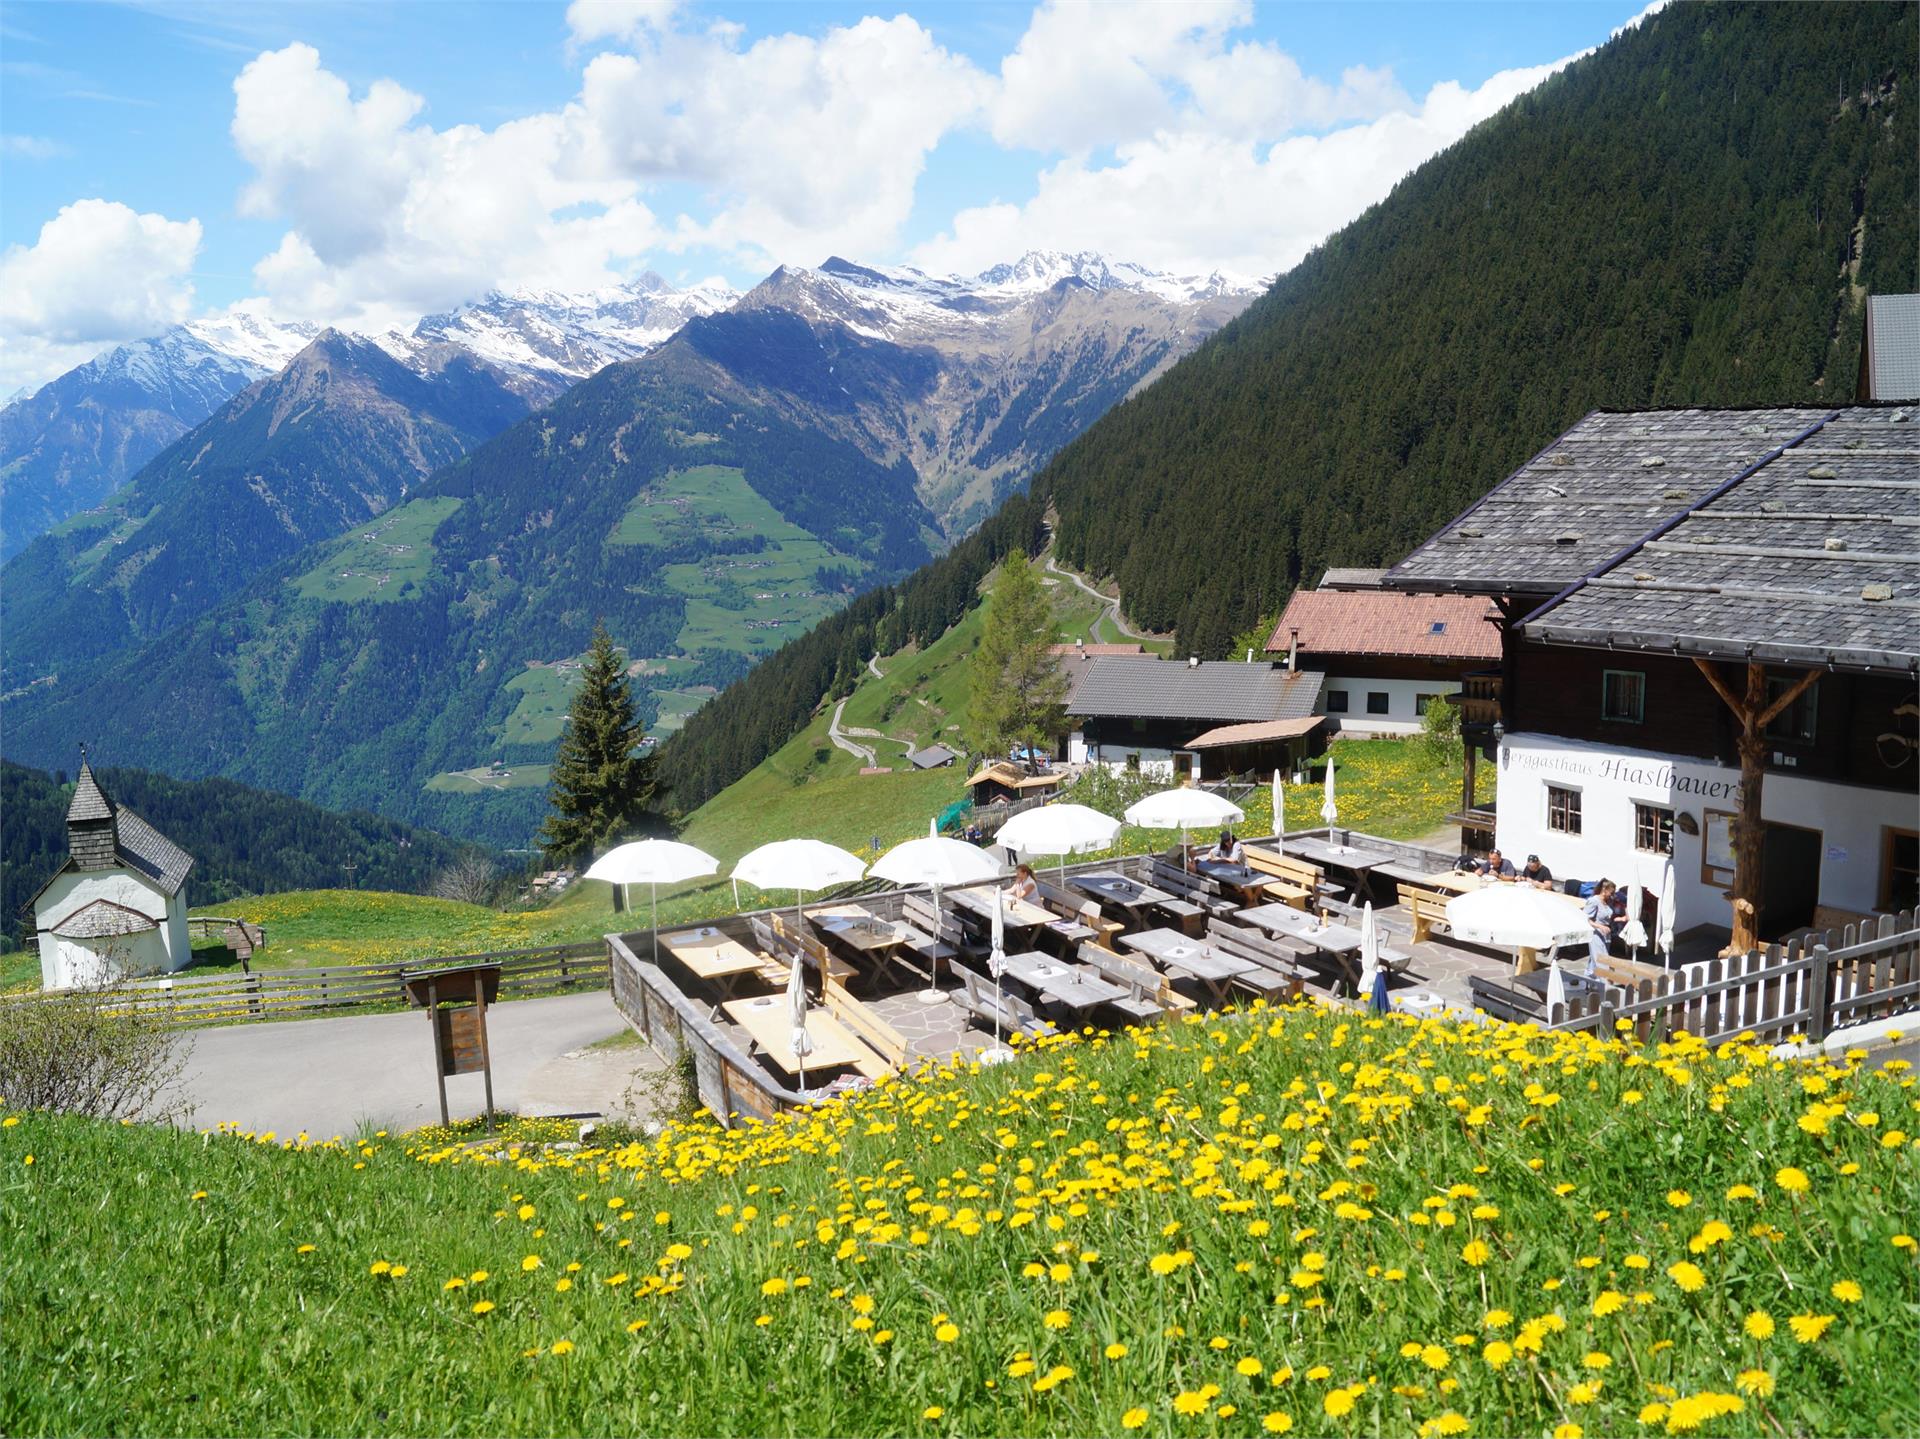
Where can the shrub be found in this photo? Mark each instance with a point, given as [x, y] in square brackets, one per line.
[1440, 732]
[89, 1051]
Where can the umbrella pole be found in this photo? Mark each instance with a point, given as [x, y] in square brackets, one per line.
[655, 887]
[931, 994]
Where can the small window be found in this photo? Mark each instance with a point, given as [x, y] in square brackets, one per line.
[1438, 627]
[1377, 702]
[1336, 702]
[1653, 828]
[1563, 810]
[1796, 723]
[1623, 696]
[1420, 703]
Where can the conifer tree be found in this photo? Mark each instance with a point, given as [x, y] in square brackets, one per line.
[601, 782]
[1018, 692]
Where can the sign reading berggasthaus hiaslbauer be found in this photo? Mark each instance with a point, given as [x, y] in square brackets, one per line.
[1636, 773]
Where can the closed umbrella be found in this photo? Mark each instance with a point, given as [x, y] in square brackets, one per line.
[1058, 830]
[1666, 913]
[1556, 987]
[802, 1042]
[1183, 809]
[997, 961]
[1635, 933]
[1329, 811]
[939, 863]
[800, 865]
[1373, 979]
[653, 862]
[1279, 812]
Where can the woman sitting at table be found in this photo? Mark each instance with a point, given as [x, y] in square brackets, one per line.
[1227, 851]
[1024, 885]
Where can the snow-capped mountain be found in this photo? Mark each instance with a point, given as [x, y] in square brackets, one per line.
[71, 443]
[546, 339]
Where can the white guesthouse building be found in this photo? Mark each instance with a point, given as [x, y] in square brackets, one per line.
[118, 905]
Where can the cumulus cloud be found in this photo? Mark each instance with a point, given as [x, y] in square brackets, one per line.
[1198, 195]
[591, 20]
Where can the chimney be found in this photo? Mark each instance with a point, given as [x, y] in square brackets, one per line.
[1293, 650]
[92, 823]
[1249, 654]
[1193, 662]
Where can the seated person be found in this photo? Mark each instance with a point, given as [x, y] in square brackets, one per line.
[1024, 885]
[1227, 851]
[1536, 873]
[1600, 918]
[1494, 866]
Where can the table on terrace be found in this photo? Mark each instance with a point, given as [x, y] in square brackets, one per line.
[1015, 913]
[1294, 923]
[1064, 983]
[771, 1031]
[1247, 883]
[1174, 951]
[1578, 986]
[711, 955]
[1117, 889]
[1355, 860]
[859, 930]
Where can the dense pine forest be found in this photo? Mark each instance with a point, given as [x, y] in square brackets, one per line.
[1693, 215]
[243, 840]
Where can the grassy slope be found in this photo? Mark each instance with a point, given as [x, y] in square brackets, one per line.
[1251, 1227]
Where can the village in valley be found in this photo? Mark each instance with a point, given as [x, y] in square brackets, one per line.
[1219, 940]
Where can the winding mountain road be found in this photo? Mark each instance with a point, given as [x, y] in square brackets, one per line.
[1112, 604]
[838, 736]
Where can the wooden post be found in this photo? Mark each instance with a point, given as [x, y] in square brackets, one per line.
[439, 1069]
[1818, 979]
[486, 1054]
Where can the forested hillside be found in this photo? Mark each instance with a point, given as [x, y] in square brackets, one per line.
[1692, 215]
[243, 840]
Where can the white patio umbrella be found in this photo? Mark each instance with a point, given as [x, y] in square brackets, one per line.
[1634, 934]
[1183, 809]
[997, 961]
[1058, 830]
[802, 1042]
[1666, 913]
[939, 863]
[1556, 987]
[1373, 979]
[1279, 812]
[653, 862]
[1329, 811]
[1517, 916]
[799, 865]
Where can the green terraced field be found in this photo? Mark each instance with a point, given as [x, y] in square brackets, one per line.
[382, 560]
[545, 691]
[481, 779]
[675, 706]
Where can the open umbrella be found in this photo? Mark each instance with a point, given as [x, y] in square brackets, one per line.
[1666, 913]
[799, 865]
[1634, 934]
[1183, 809]
[1058, 830]
[653, 862]
[1279, 812]
[1518, 916]
[802, 1042]
[939, 863]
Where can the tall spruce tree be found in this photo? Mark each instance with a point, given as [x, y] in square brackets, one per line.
[1018, 692]
[602, 783]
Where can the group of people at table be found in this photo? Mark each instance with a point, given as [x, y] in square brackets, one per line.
[1605, 906]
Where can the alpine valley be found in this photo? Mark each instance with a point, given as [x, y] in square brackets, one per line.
[365, 579]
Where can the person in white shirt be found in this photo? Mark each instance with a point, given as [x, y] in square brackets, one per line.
[1024, 885]
[1599, 910]
[1228, 850]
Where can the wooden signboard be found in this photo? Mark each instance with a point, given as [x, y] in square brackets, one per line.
[459, 1031]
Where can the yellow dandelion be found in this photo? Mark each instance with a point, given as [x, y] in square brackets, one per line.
[529, 1264]
[1754, 1381]
[947, 1333]
[1846, 1291]
[1056, 1319]
[1249, 1367]
[932, 1411]
[1189, 1402]
[1278, 1422]
[1133, 1419]
[561, 1346]
[1115, 1351]
[1679, 1198]
[1688, 1276]
[1759, 1325]
[1808, 1328]
[1792, 1179]
[484, 1306]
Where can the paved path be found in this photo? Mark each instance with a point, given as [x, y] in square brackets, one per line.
[838, 736]
[331, 1076]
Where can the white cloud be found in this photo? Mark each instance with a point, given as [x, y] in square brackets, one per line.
[1199, 194]
[591, 20]
[33, 147]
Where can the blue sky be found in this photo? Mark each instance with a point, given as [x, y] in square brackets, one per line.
[378, 160]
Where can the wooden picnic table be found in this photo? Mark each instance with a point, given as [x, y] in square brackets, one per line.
[855, 927]
[1248, 883]
[1173, 950]
[1015, 913]
[710, 954]
[771, 1032]
[1117, 889]
[1284, 919]
[1454, 882]
[1355, 860]
[1056, 980]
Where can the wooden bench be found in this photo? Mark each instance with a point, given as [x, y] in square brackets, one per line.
[1196, 889]
[1080, 909]
[1014, 1015]
[1295, 882]
[1150, 994]
[1280, 975]
[816, 954]
[890, 1050]
[1426, 907]
[1505, 1001]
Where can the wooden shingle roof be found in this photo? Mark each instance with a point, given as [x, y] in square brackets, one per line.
[89, 800]
[144, 848]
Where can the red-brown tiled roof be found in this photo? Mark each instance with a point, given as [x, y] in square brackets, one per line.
[1386, 622]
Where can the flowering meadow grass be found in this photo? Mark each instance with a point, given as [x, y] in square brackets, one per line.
[1291, 1220]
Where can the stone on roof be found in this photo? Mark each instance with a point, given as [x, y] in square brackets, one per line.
[1223, 691]
[1813, 559]
[1599, 488]
[144, 848]
[103, 919]
[1890, 354]
[1389, 622]
[89, 800]
[1352, 579]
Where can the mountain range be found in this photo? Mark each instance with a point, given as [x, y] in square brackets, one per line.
[311, 592]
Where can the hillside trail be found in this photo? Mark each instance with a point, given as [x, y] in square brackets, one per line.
[1112, 604]
[840, 739]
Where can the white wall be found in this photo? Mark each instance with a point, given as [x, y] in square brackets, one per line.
[1611, 780]
[1400, 718]
[66, 962]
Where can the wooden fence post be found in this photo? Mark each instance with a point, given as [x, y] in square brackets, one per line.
[1817, 981]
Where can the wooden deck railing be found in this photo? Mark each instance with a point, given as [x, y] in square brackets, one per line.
[1812, 987]
[189, 999]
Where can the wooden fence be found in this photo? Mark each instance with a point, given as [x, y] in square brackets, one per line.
[275, 993]
[1811, 986]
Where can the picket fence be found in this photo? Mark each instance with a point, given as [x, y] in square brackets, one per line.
[1812, 986]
